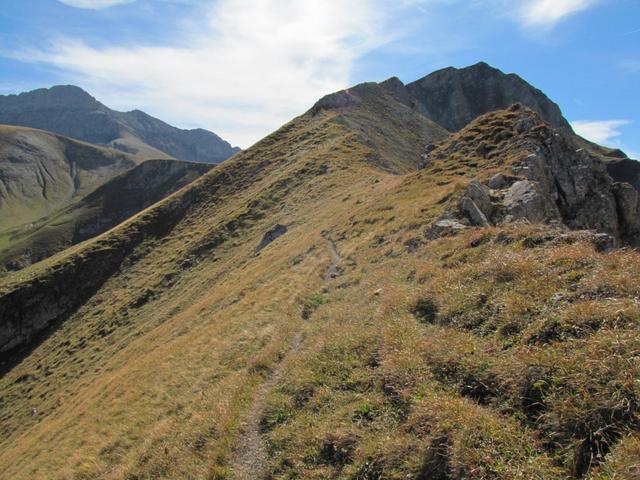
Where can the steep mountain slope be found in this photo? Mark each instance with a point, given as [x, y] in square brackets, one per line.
[72, 112]
[41, 173]
[309, 310]
[453, 97]
[97, 212]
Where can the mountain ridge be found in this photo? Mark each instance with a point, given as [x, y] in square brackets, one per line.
[70, 111]
[111, 203]
[298, 299]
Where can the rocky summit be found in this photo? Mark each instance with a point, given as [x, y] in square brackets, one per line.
[436, 280]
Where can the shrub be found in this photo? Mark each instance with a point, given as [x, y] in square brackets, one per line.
[425, 310]
[310, 304]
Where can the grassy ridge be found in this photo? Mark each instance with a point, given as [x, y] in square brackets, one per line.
[500, 353]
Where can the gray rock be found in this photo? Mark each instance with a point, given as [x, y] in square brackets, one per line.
[453, 97]
[576, 182]
[500, 181]
[524, 201]
[603, 242]
[445, 227]
[625, 170]
[430, 147]
[469, 208]
[479, 193]
[276, 231]
[628, 207]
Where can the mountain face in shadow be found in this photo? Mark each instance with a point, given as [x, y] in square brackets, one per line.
[453, 97]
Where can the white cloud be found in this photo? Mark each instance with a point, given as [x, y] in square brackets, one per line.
[94, 4]
[243, 69]
[546, 13]
[600, 131]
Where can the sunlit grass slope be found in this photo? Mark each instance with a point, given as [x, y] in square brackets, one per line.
[499, 353]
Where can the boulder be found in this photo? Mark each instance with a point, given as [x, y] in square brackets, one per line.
[469, 208]
[276, 231]
[479, 193]
[501, 181]
[445, 227]
[524, 201]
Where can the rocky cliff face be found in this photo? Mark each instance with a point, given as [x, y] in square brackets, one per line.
[625, 170]
[70, 111]
[453, 97]
[549, 179]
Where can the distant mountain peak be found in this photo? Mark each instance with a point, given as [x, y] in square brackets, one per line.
[70, 111]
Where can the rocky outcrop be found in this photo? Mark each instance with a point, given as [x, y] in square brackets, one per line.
[70, 111]
[552, 181]
[625, 170]
[445, 227]
[524, 201]
[271, 235]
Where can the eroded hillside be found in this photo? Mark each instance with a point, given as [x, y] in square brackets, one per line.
[318, 308]
[111, 203]
[41, 172]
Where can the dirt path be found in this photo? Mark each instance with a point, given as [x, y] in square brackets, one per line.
[334, 269]
[250, 458]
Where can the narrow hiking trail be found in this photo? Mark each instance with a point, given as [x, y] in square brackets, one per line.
[250, 457]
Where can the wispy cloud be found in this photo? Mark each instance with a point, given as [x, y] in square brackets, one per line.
[244, 68]
[547, 13]
[600, 131]
[630, 65]
[94, 4]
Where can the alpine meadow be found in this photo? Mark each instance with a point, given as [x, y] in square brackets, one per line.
[434, 279]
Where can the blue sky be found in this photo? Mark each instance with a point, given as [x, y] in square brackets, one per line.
[243, 67]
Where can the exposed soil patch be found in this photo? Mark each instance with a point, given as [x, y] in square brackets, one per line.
[334, 269]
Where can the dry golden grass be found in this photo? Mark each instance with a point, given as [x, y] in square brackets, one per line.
[526, 370]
